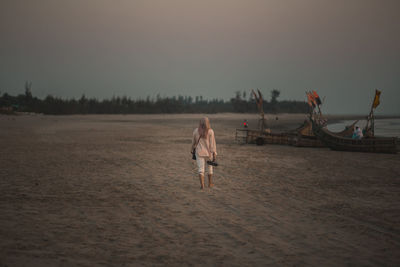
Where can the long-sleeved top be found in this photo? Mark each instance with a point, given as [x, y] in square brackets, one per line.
[206, 146]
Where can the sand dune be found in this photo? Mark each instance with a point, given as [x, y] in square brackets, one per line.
[121, 190]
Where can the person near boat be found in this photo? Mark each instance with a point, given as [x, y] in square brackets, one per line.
[357, 133]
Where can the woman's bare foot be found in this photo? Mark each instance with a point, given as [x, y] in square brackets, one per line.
[210, 183]
[201, 177]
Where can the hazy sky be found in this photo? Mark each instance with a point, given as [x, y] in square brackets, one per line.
[343, 49]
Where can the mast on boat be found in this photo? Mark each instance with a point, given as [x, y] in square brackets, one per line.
[370, 127]
[314, 101]
[262, 124]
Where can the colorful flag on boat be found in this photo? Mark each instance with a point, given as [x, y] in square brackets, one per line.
[376, 99]
[317, 98]
[311, 100]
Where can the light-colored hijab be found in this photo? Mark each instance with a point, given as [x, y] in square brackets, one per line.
[204, 126]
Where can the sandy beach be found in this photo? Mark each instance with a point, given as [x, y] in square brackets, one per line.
[122, 190]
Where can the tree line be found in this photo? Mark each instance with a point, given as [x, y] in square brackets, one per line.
[242, 102]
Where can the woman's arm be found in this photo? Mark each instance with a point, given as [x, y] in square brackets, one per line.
[193, 141]
[213, 145]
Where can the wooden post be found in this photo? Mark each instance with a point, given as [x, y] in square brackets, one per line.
[370, 120]
[259, 102]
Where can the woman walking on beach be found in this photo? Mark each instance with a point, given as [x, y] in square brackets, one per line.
[205, 148]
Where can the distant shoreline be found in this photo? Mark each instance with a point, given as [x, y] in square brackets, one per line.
[332, 118]
[328, 116]
[339, 118]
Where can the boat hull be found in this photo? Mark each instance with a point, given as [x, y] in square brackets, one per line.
[373, 145]
[248, 136]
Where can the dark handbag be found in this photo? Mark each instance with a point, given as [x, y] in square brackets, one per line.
[212, 163]
[194, 150]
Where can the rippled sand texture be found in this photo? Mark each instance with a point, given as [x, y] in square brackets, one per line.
[122, 191]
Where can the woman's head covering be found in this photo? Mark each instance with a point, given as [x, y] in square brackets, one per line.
[204, 126]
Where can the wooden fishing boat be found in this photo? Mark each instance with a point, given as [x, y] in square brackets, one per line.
[367, 144]
[265, 137]
[302, 136]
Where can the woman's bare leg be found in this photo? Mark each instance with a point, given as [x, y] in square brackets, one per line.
[210, 183]
[201, 177]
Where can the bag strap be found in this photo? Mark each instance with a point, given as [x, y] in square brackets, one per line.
[198, 140]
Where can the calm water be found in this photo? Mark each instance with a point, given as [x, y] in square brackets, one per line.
[383, 127]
